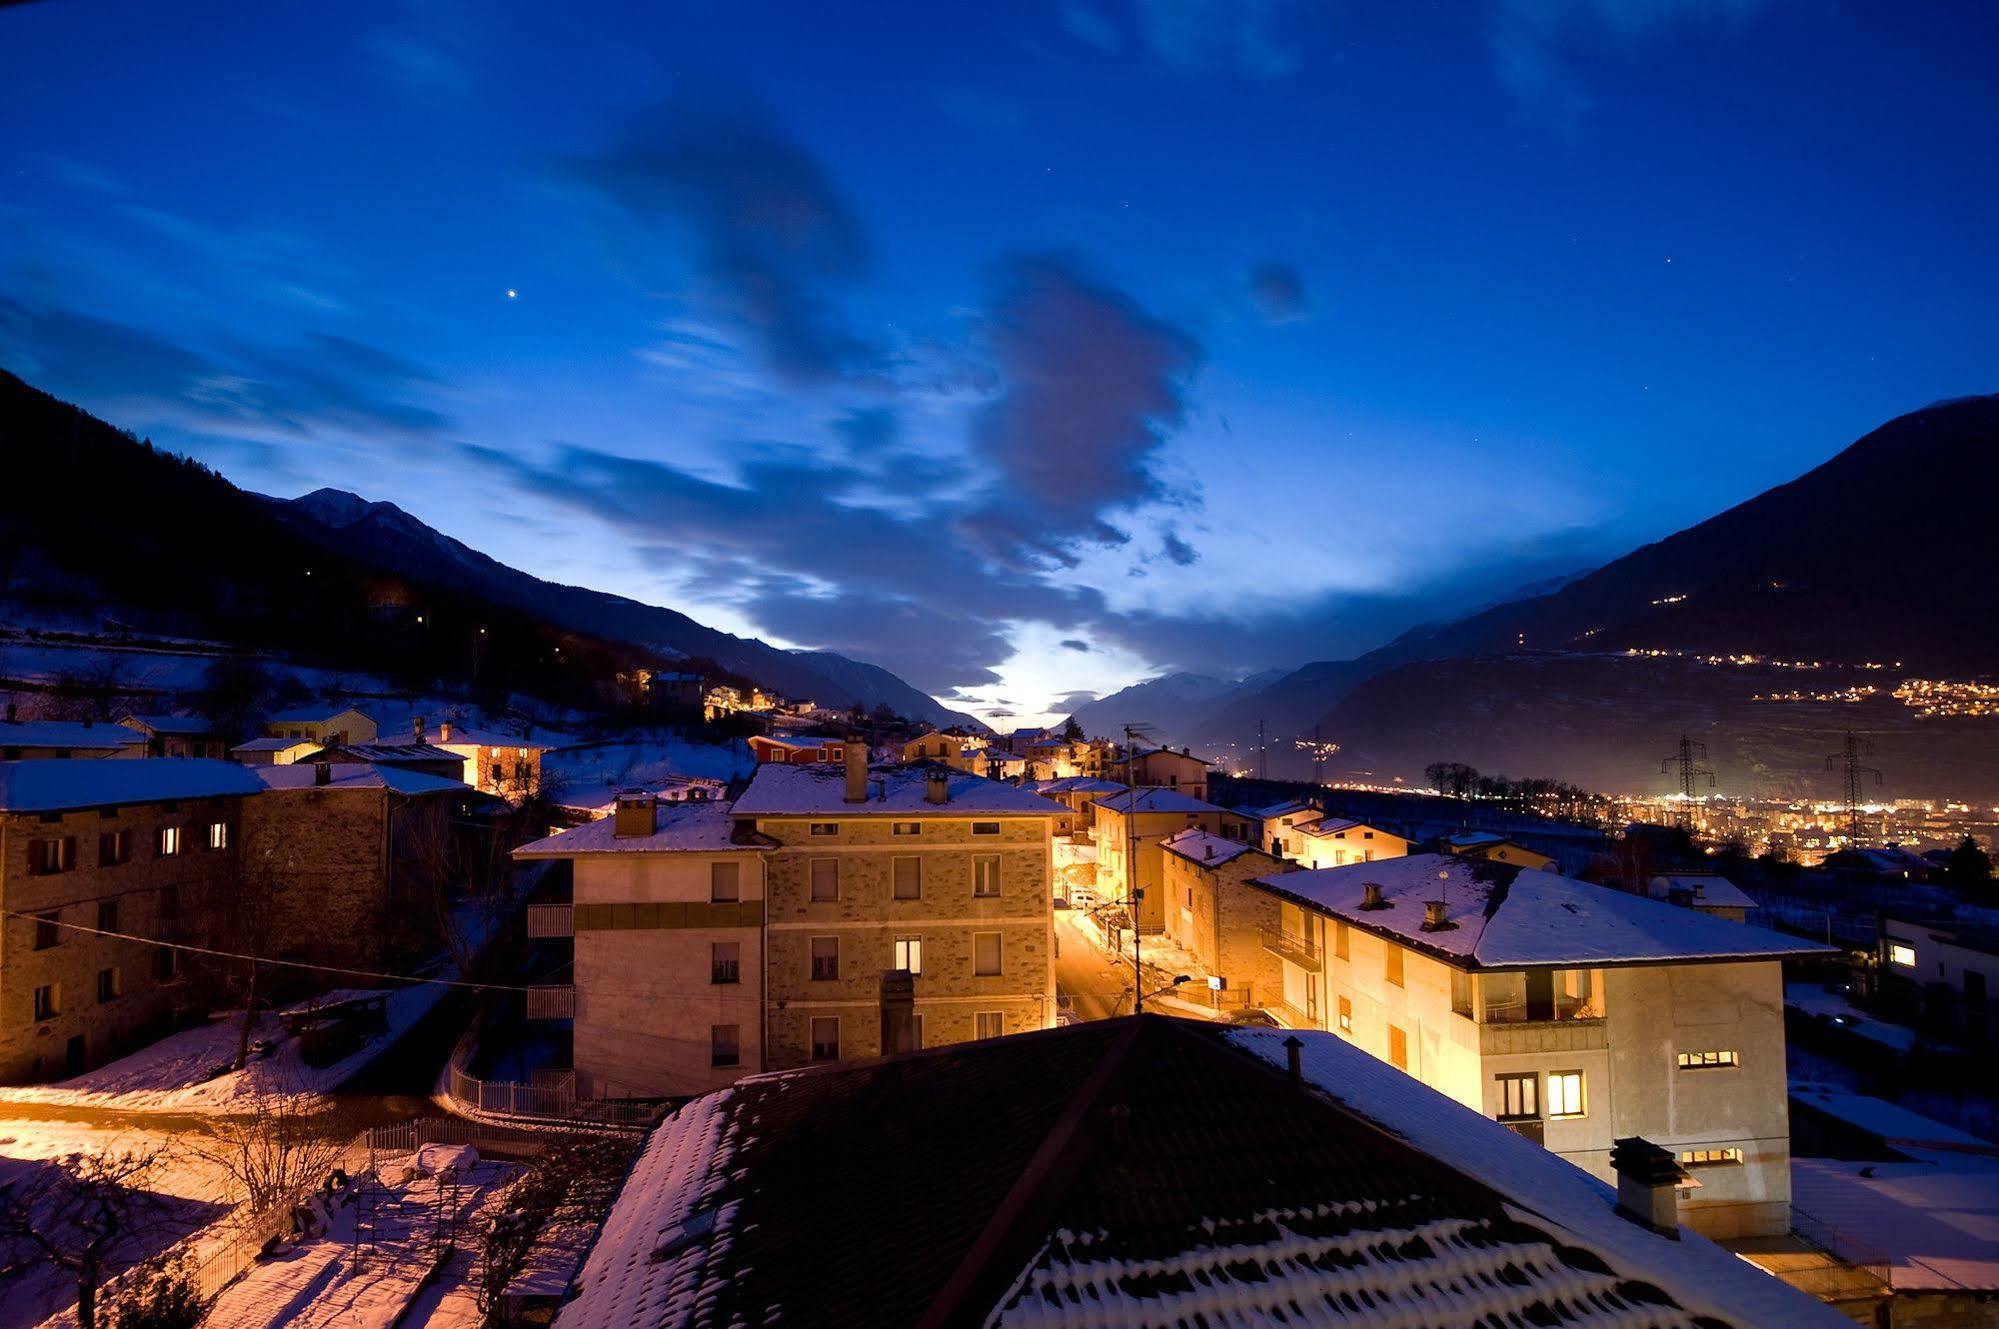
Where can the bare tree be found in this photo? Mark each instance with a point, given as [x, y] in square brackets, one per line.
[572, 1180]
[275, 1153]
[83, 1214]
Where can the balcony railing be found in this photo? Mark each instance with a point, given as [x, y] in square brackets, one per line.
[552, 1003]
[551, 920]
[1543, 1036]
[1296, 947]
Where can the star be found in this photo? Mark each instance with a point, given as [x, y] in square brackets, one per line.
[512, 294]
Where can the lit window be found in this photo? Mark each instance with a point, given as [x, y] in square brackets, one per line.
[1710, 1157]
[218, 835]
[989, 1024]
[1565, 1094]
[985, 876]
[825, 1038]
[1902, 954]
[1398, 1048]
[1701, 1061]
[1519, 1097]
[169, 841]
[725, 1045]
[825, 958]
[986, 953]
[1346, 1016]
[908, 877]
[985, 828]
[905, 828]
[909, 954]
[825, 880]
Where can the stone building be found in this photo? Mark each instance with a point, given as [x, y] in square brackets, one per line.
[1213, 912]
[1080, 794]
[176, 735]
[1575, 1014]
[126, 847]
[1129, 828]
[1165, 768]
[324, 728]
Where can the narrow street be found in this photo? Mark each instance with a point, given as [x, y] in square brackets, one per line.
[1097, 987]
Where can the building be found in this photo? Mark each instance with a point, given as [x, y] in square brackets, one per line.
[1141, 1172]
[799, 751]
[1166, 768]
[1577, 1014]
[424, 758]
[1079, 794]
[1709, 892]
[1334, 842]
[1948, 966]
[1215, 914]
[324, 728]
[951, 749]
[1279, 823]
[127, 847]
[42, 740]
[273, 751]
[176, 735]
[506, 765]
[1129, 828]
[1493, 848]
[887, 908]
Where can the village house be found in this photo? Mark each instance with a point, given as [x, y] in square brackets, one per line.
[1493, 848]
[176, 735]
[799, 751]
[1947, 967]
[1080, 795]
[872, 910]
[267, 751]
[1279, 822]
[1709, 892]
[1166, 768]
[89, 848]
[1576, 1014]
[1128, 831]
[41, 740]
[952, 749]
[1141, 1172]
[1334, 842]
[425, 758]
[503, 764]
[1215, 915]
[323, 728]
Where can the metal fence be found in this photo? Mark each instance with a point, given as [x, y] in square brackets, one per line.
[554, 1101]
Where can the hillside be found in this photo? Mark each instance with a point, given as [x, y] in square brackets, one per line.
[1161, 703]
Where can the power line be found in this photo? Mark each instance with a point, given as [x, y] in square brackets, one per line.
[1849, 762]
[1686, 762]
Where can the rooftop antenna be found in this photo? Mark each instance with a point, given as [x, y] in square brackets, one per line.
[1849, 761]
[1685, 763]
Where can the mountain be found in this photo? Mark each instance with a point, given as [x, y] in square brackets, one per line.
[1768, 629]
[1162, 703]
[388, 535]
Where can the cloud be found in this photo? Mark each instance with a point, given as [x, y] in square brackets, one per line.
[1535, 43]
[1091, 28]
[1091, 386]
[1278, 293]
[1178, 552]
[1075, 644]
[1070, 702]
[776, 241]
[1252, 38]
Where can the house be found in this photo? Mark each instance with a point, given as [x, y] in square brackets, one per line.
[1140, 1172]
[176, 735]
[671, 692]
[869, 910]
[1213, 913]
[1576, 1014]
[41, 740]
[422, 757]
[1079, 794]
[1334, 842]
[1709, 892]
[1493, 848]
[1166, 768]
[89, 848]
[1890, 863]
[1951, 966]
[1128, 831]
[951, 749]
[1278, 823]
[595, 804]
[507, 765]
[798, 750]
[272, 751]
[322, 727]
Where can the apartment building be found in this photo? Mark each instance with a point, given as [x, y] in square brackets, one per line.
[1214, 913]
[1573, 1013]
[1165, 768]
[1129, 828]
[90, 847]
[1080, 794]
[1334, 842]
[869, 910]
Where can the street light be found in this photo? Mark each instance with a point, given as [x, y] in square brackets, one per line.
[1177, 981]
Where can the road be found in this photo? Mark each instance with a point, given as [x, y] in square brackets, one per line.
[1098, 988]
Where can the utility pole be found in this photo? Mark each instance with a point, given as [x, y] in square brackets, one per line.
[1686, 763]
[1849, 761]
[1132, 892]
[1262, 763]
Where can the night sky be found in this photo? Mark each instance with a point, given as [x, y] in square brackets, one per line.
[1020, 349]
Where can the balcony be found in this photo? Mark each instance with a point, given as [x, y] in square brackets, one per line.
[1297, 948]
[551, 920]
[1498, 1040]
[552, 1003]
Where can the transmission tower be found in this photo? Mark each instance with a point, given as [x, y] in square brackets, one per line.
[1850, 762]
[1685, 766]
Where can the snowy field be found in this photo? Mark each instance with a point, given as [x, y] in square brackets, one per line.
[581, 770]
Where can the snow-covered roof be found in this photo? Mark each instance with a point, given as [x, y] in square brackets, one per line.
[272, 744]
[319, 715]
[391, 754]
[796, 743]
[67, 734]
[1154, 799]
[1199, 846]
[797, 791]
[357, 775]
[1334, 826]
[1143, 753]
[1078, 784]
[54, 784]
[169, 724]
[1504, 916]
[1364, 1199]
[1895, 1125]
[1937, 1229]
[678, 828]
[1706, 888]
[1270, 810]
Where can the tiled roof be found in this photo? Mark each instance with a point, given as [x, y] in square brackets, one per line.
[685, 828]
[1502, 916]
[357, 775]
[1144, 1172]
[55, 784]
[67, 734]
[794, 791]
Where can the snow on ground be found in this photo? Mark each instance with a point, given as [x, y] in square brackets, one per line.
[581, 770]
[1813, 999]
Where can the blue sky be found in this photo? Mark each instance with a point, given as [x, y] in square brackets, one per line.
[1027, 350]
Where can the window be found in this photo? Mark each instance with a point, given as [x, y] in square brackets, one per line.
[825, 880]
[985, 876]
[1339, 940]
[985, 828]
[1710, 1157]
[1701, 1061]
[825, 1038]
[169, 841]
[909, 954]
[1461, 986]
[218, 835]
[46, 857]
[1901, 953]
[725, 882]
[113, 848]
[825, 828]
[725, 1045]
[166, 965]
[110, 984]
[1519, 1096]
[169, 903]
[908, 877]
[988, 1024]
[905, 828]
[1398, 1048]
[107, 915]
[48, 1001]
[825, 958]
[725, 962]
[986, 953]
[1565, 1093]
[1346, 1015]
[48, 929]
[1392, 964]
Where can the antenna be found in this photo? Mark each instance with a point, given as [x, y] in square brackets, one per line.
[1849, 761]
[1686, 764]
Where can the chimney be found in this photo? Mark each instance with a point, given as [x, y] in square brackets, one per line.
[1294, 1058]
[322, 772]
[1371, 896]
[1209, 847]
[416, 728]
[1648, 1182]
[633, 814]
[857, 772]
[444, 732]
[1434, 917]
[937, 787]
